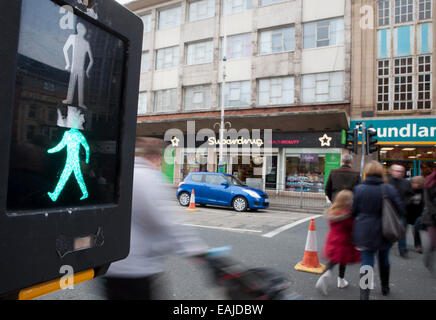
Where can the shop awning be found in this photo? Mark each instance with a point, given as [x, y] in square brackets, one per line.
[277, 119]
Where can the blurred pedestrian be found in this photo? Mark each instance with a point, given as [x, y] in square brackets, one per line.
[405, 192]
[343, 178]
[367, 229]
[339, 248]
[414, 209]
[155, 231]
[429, 218]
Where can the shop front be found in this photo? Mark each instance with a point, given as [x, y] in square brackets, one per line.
[410, 142]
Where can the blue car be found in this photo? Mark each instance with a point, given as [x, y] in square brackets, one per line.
[221, 189]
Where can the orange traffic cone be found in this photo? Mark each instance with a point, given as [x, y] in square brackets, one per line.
[310, 261]
[192, 202]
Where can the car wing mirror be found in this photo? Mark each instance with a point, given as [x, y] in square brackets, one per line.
[225, 184]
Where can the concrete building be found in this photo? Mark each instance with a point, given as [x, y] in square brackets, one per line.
[287, 68]
[392, 77]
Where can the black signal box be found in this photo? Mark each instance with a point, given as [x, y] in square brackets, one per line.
[70, 78]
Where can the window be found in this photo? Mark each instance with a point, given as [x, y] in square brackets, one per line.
[323, 33]
[167, 58]
[165, 100]
[197, 177]
[215, 179]
[424, 82]
[142, 103]
[197, 97]
[403, 84]
[146, 19]
[424, 10]
[268, 2]
[403, 11]
[238, 46]
[170, 18]
[323, 87]
[383, 85]
[383, 12]
[277, 40]
[31, 112]
[236, 93]
[235, 6]
[198, 53]
[276, 91]
[201, 10]
[30, 134]
[145, 62]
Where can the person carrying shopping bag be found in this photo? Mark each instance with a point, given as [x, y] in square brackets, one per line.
[367, 230]
[339, 248]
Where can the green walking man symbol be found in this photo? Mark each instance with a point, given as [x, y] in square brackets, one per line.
[73, 139]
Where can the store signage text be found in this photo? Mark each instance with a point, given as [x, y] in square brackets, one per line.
[410, 130]
[240, 141]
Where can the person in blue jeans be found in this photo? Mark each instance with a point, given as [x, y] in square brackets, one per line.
[367, 230]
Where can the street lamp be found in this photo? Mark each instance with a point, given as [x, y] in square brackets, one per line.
[222, 128]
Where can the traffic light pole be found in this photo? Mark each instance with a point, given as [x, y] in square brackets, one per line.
[362, 158]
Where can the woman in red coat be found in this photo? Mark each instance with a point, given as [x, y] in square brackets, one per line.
[339, 248]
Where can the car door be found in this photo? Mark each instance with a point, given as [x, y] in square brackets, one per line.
[216, 193]
[198, 186]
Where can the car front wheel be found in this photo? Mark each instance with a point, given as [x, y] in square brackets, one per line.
[184, 199]
[240, 204]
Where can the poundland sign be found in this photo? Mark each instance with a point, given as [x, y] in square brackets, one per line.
[421, 130]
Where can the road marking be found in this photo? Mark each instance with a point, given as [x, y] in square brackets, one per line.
[289, 226]
[221, 228]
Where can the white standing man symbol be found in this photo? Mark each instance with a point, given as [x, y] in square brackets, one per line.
[81, 49]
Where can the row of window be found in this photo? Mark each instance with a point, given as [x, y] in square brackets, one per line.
[401, 11]
[199, 10]
[316, 34]
[400, 88]
[323, 87]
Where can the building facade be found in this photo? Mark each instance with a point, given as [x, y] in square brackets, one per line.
[287, 69]
[393, 87]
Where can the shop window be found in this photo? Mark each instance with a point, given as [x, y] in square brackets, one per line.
[194, 162]
[247, 167]
[305, 172]
[271, 173]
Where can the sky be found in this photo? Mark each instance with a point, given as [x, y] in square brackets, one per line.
[123, 1]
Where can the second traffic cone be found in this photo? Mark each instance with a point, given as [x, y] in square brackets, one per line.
[310, 261]
[192, 202]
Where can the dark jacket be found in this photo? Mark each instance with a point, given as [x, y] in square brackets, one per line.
[429, 214]
[367, 210]
[404, 190]
[341, 179]
[415, 206]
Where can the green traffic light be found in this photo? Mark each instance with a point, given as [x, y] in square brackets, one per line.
[72, 139]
